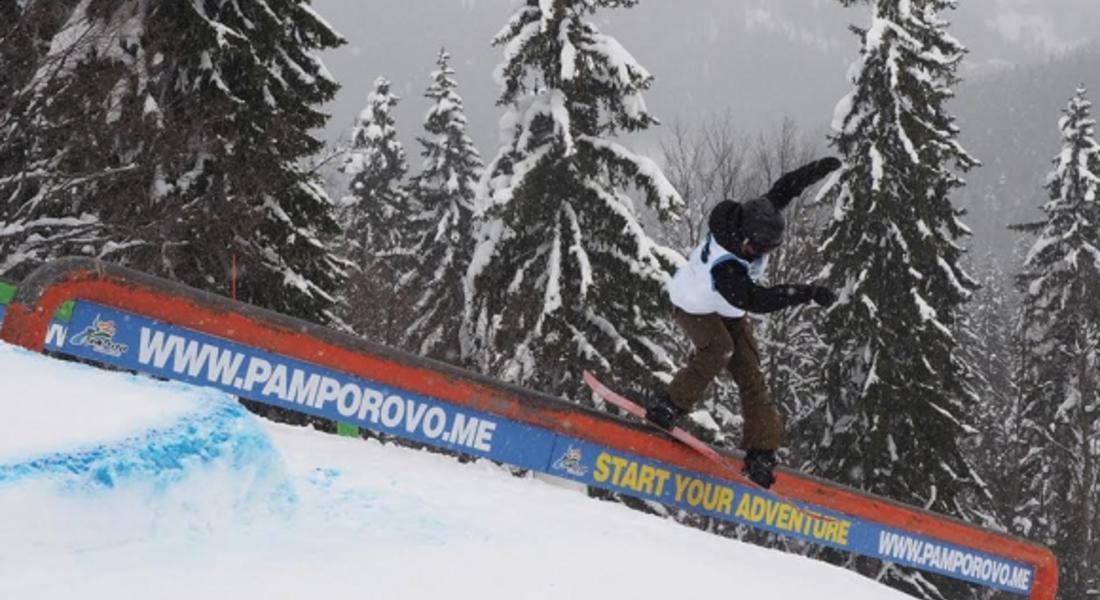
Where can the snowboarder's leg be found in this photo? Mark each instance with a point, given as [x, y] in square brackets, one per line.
[713, 348]
[763, 426]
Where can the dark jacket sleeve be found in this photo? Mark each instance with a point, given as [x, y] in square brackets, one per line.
[732, 281]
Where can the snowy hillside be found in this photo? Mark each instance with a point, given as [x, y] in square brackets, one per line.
[114, 486]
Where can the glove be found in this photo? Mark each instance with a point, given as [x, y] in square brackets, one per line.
[823, 296]
[790, 185]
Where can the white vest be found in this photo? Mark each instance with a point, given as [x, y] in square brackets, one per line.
[692, 288]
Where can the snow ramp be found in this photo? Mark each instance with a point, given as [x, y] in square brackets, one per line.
[121, 318]
[85, 454]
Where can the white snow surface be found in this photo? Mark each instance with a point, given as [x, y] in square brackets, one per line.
[30, 412]
[241, 508]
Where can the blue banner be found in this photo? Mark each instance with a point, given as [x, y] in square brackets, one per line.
[640, 477]
[106, 335]
[133, 342]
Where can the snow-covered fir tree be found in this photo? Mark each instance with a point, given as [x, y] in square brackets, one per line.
[377, 204]
[376, 215]
[898, 397]
[564, 277]
[442, 231]
[57, 159]
[193, 122]
[1060, 281]
[244, 191]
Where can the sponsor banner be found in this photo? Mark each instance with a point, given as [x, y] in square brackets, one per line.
[604, 467]
[133, 342]
[56, 336]
[110, 336]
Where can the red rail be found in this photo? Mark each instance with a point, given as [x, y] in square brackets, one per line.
[84, 279]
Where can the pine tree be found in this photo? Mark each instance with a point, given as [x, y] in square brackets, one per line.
[183, 140]
[442, 232]
[377, 204]
[376, 214]
[58, 161]
[1060, 281]
[262, 98]
[898, 398]
[564, 277]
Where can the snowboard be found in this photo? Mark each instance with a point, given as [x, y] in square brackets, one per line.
[639, 411]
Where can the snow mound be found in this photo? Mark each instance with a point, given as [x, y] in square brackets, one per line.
[98, 459]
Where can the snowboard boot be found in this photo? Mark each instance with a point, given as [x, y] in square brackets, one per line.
[759, 465]
[663, 413]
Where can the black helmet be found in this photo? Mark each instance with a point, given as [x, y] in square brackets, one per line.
[761, 223]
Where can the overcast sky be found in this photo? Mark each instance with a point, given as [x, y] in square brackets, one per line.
[758, 60]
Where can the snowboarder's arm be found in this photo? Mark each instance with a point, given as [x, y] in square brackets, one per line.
[733, 283]
[790, 185]
[724, 221]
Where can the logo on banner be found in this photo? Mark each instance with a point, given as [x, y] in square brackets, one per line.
[100, 337]
[570, 462]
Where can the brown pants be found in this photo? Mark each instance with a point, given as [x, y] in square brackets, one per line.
[722, 342]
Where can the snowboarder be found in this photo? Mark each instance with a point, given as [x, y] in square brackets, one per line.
[711, 295]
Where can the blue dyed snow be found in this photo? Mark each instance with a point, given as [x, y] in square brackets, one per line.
[323, 477]
[219, 429]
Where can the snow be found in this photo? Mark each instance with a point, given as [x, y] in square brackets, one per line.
[576, 248]
[294, 513]
[304, 7]
[150, 105]
[489, 234]
[928, 314]
[550, 103]
[303, 76]
[84, 219]
[514, 46]
[669, 198]
[950, 273]
[38, 382]
[877, 169]
[562, 121]
[876, 32]
[568, 57]
[620, 62]
[841, 112]
[552, 298]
